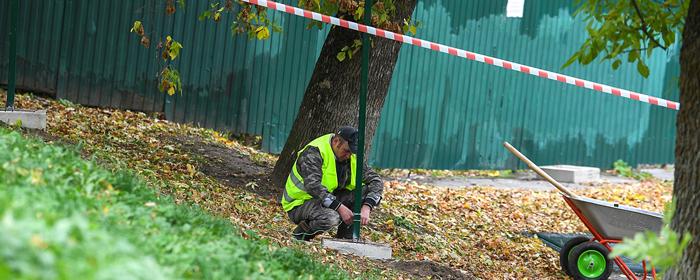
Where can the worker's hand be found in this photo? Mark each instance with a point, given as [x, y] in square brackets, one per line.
[364, 214]
[345, 214]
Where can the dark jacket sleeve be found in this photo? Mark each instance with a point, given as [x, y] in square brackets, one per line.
[310, 167]
[374, 185]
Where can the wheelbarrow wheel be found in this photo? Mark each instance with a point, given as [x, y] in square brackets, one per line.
[589, 261]
[566, 252]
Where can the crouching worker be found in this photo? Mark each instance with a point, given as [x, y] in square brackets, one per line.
[318, 194]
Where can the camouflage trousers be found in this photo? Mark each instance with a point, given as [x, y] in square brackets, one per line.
[320, 218]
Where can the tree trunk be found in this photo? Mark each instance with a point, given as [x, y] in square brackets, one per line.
[686, 188]
[332, 96]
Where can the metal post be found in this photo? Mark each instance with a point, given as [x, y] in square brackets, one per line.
[366, 45]
[14, 6]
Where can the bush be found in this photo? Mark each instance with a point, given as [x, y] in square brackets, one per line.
[623, 169]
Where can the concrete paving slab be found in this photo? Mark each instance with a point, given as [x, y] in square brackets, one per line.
[572, 173]
[360, 248]
[665, 174]
[29, 119]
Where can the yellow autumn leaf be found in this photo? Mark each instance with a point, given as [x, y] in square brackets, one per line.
[38, 242]
[36, 177]
[171, 90]
[191, 170]
[262, 33]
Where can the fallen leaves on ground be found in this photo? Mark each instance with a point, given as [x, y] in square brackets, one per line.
[476, 229]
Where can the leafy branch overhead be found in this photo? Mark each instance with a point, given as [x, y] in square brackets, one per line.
[632, 27]
[254, 21]
[383, 16]
[169, 77]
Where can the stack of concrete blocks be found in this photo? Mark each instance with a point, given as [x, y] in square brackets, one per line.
[573, 174]
[359, 248]
[28, 119]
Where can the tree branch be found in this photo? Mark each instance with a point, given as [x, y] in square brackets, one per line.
[644, 25]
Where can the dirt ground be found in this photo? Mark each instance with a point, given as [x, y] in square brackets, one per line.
[428, 270]
[228, 166]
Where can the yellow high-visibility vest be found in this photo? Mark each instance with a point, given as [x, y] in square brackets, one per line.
[294, 194]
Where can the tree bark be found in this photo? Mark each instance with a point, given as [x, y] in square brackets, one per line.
[686, 188]
[331, 99]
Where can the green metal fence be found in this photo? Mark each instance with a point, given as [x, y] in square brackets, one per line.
[441, 111]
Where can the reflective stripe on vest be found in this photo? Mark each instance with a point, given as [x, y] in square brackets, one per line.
[294, 193]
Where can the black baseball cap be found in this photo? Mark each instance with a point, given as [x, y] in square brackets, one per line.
[349, 133]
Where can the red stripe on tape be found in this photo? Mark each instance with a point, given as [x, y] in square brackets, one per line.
[507, 65]
[254, 2]
[653, 100]
[398, 37]
[672, 105]
[308, 14]
[471, 56]
[616, 92]
[344, 23]
[452, 51]
[561, 78]
[434, 47]
[488, 60]
[579, 83]
[634, 96]
[362, 28]
[597, 87]
[542, 74]
[416, 42]
[325, 19]
[289, 9]
[381, 33]
[525, 69]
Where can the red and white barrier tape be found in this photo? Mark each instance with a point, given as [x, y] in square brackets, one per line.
[467, 54]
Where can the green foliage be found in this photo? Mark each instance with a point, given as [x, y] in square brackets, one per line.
[403, 222]
[349, 51]
[632, 27]
[664, 249]
[410, 26]
[170, 81]
[66, 102]
[62, 217]
[255, 23]
[383, 16]
[169, 77]
[623, 169]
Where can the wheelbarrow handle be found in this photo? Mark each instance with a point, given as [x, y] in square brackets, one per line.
[538, 170]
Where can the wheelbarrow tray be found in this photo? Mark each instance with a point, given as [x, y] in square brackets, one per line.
[614, 221]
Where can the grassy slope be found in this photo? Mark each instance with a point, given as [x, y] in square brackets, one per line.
[67, 218]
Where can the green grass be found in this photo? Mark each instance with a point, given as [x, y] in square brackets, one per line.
[62, 217]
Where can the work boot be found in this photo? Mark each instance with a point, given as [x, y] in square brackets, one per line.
[344, 231]
[303, 232]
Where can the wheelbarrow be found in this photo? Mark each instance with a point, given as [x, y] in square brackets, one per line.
[587, 258]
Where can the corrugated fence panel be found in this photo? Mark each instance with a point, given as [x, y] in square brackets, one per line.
[441, 112]
[446, 112]
[237, 84]
[37, 55]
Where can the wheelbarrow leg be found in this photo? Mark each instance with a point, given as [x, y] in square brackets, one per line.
[625, 270]
[653, 270]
